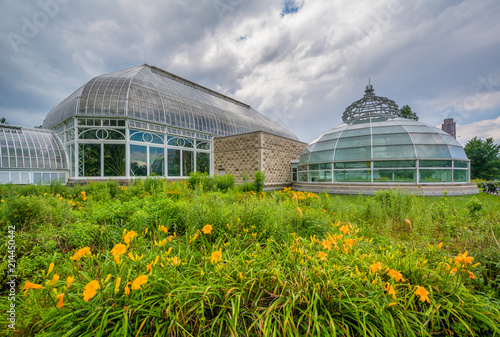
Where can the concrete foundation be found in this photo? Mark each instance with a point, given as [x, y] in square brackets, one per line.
[370, 189]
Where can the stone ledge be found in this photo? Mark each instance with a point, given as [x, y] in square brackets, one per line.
[369, 189]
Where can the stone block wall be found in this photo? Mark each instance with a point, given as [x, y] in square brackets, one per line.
[237, 154]
[277, 152]
[255, 151]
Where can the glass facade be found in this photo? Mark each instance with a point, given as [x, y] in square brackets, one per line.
[106, 148]
[375, 146]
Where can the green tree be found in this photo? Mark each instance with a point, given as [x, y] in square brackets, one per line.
[484, 157]
[407, 113]
[3, 121]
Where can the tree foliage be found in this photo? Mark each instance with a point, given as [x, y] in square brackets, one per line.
[408, 113]
[484, 157]
[3, 121]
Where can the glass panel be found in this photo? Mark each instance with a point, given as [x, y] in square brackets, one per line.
[304, 158]
[187, 163]
[427, 138]
[174, 162]
[354, 142]
[203, 162]
[458, 152]
[394, 176]
[157, 161]
[71, 156]
[302, 167]
[461, 164]
[435, 163]
[303, 176]
[328, 145]
[333, 135]
[138, 160]
[460, 176]
[387, 129]
[356, 132]
[393, 152]
[147, 137]
[450, 140]
[353, 154]
[90, 155]
[114, 160]
[320, 166]
[177, 141]
[359, 164]
[320, 176]
[318, 157]
[392, 139]
[435, 176]
[352, 176]
[418, 128]
[395, 163]
[433, 151]
[202, 145]
[37, 177]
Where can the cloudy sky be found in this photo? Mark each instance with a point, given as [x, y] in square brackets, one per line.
[299, 62]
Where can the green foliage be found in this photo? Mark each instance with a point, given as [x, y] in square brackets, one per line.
[206, 183]
[258, 182]
[484, 157]
[292, 263]
[406, 112]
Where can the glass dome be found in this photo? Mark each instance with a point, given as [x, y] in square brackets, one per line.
[373, 145]
[150, 94]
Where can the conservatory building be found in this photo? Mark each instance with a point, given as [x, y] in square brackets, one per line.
[145, 121]
[31, 156]
[375, 149]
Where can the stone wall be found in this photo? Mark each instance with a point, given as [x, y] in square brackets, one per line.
[255, 151]
[237, 154]
[277, 152]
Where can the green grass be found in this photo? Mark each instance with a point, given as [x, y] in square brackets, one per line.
[280, 263]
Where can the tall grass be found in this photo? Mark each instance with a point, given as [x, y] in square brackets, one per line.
[260, 264]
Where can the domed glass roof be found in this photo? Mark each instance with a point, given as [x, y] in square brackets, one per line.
[153, 95]
[382, 137]
[374, 145]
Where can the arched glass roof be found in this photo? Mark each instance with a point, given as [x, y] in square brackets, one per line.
[22, 148]
[150, 94]
[382, 137]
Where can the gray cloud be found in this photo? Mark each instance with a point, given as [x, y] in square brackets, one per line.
[301, 69]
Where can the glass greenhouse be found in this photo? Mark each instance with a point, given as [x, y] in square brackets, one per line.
[145, 121]
[375, 146]
[30, 156]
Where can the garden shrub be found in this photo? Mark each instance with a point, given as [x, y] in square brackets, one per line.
[259, 179]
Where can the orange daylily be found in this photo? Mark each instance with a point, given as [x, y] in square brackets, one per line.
[376, 267]
[463, 258]
[139, 281]
[60, 300]
[216, 256]
[90, 290]
[28, 285]
[207, 229]
[396, 275]
[424, 294]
